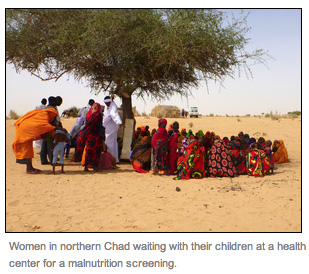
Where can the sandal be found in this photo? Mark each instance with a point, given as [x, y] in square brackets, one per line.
[33, 172]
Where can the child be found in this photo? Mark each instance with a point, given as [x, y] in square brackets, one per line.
[61, 137]
[107, 160]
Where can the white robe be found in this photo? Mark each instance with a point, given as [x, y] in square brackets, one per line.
[111, 123]
[38, 143]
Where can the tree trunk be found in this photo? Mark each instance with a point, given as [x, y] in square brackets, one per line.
[127, 108]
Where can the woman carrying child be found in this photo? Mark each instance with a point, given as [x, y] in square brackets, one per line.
[90, 139]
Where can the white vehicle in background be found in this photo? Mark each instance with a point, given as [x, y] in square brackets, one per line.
[193, 112]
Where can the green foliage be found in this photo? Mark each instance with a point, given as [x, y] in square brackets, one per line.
[149, 52]
[294, 113]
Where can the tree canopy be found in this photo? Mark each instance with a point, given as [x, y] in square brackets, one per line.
[148, 52]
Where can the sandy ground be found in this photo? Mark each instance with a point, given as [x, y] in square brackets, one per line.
[123, 200]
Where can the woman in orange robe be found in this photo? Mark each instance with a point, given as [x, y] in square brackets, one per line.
[30, 127]
[281, 155]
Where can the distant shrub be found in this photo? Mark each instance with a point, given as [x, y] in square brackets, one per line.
[14, 115]
[248, 115]
[74, 111]
[275, 116]
[211, 115]
[297, 113]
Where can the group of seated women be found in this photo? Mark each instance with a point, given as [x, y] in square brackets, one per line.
[169, 151]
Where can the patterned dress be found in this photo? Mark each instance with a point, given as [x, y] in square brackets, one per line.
[254, 163]
[90, 139]
[191, 164]
[219, 161]
[141, 155]
[159, 144]
[238, 157]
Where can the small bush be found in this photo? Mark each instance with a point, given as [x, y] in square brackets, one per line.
[74, 112]
[297, 113]
[14, 115]
[275, 116]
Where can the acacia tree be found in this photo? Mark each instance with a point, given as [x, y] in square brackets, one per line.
[148, 52]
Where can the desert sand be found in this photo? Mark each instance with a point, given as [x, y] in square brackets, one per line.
[123, 200]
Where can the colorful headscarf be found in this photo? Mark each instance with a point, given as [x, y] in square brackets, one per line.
[190, 134]
[200, 133]
[94, 108]
[162, 122]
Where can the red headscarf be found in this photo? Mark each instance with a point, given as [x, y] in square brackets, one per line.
[161, 133]
[162, 123]
[94, 108]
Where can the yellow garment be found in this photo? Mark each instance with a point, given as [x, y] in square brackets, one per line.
[180, 138]
[281, 155]
[29, 127]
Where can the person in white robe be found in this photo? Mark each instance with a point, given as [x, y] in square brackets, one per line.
[111, 122]
[38, 143]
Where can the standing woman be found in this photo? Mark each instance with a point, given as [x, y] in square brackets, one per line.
[159, 144]
[172, 149]
[90, 139]
[30, 127]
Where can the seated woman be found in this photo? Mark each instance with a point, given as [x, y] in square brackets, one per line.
[190, 134]
[141, 154]
[257, 161]
[270, 155]
[238, 157]
[191, 164]
[281, 154]
[184, 143]
[220, 162]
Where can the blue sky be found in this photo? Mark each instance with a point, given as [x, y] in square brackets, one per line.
[276, 87]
